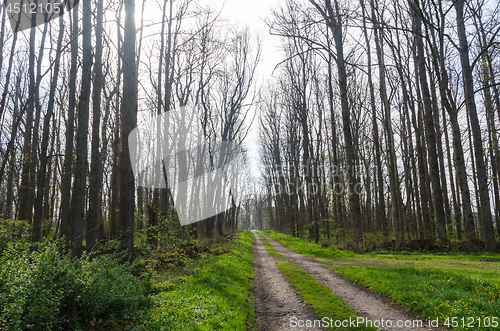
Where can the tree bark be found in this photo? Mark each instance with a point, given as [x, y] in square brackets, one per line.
[41, 182]
[24, 191]
[81, 164]
[128, 123]
[333, 20]
[486, 220]
[70, 128]
[437, 195]
[93, 213]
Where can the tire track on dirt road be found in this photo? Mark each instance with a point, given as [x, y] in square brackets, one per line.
[276, 300]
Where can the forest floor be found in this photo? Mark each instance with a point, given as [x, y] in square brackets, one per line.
[269, 281]
[279, 307]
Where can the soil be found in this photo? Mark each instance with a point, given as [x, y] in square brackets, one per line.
[274, 294]
[276, 300]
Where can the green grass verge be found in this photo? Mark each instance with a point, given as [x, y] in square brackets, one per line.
[210, 293]
[305, 247]
[434, 292]
[437, 285]
[327, 307]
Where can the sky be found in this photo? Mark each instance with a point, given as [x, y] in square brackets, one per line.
[249, 14]
[252, 14]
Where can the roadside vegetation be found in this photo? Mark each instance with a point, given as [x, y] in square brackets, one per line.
[44, 288]
[463, 291]
[188, 284]
[211, 292]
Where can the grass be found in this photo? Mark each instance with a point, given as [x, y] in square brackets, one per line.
[210, 293]
[305, 247]
[436, 285]
[436, 293]
[271, 250]
[319, 297]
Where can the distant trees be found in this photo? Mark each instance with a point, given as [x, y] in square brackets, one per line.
[410, 90]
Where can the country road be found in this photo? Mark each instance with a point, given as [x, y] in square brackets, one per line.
[278, 303]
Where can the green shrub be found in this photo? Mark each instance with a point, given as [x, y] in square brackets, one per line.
[48, 290]
[11, 230]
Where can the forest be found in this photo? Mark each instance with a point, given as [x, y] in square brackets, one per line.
[381, 120]
[376, 131]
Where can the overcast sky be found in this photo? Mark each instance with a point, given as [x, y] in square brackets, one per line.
[252, 13]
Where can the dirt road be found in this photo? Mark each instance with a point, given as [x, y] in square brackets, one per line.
[277, 301]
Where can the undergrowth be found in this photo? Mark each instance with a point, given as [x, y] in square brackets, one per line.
[211, 292]
[46, 289]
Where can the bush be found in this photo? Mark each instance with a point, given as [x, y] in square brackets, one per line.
[11, 230]
[48, 290]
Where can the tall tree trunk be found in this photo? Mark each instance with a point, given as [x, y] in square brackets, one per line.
[115, 176]
[422, 170]
[24, 191]
[379, 194]
[440, 154]
[34, 145]
[12, 156]
[396, 201]
[456, 204]
[153, 208]
[94, 211]
[413, 196]
[458, 154]
[489, 86]
[487, 223]
[128, 123]
[81, 164]
[437, 195]
[334, 163]
[37, 220]
[70, 131]
[333, 20]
